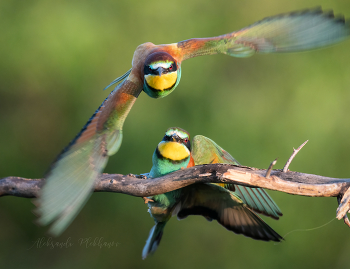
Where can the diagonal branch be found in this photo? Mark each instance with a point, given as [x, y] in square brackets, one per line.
[295, 151]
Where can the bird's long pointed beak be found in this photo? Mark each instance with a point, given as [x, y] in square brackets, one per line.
[173, 137]
[160, 70]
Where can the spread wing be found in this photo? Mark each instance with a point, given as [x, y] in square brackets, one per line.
[215, 202]
[71, 179]
[205, 151]
[290, 32]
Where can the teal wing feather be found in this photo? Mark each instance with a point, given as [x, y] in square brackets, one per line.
[118, 80]
[290, 32]
[215, 202]
[70, 182]
[72, 177]
[205, 151]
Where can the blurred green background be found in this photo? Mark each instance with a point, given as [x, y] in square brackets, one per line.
[57, 56]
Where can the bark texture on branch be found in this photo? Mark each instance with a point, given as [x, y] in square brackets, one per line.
[289, 182]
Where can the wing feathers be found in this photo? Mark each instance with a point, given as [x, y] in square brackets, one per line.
[290, 32]
[70, 183]
[214, 202]
[71, 179]
[119, 79]
[205, 150]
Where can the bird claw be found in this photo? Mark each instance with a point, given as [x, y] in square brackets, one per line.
[146, 199]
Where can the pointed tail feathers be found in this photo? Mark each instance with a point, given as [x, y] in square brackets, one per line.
[152, 243]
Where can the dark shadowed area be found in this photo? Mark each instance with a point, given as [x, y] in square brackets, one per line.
[56, 57]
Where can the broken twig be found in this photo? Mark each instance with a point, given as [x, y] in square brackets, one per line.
[268, 172]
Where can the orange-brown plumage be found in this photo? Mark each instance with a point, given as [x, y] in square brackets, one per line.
[91, 129]
[191, 162]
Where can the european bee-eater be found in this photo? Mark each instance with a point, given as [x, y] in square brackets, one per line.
[156, 69]
[231, 205]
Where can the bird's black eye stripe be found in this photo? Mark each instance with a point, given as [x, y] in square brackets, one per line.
[184, 141]
[167, 138]
[147, 70]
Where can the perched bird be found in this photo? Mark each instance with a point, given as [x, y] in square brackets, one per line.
[233, 206]
[156, 69]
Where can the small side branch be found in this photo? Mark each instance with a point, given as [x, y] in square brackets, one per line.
[295, 151]
[270, 168]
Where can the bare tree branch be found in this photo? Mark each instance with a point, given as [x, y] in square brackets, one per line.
[289, 182]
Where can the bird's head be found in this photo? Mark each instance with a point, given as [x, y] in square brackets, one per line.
[161, 74]
[175, 146]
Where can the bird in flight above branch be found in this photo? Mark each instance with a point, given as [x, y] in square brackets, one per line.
[233, 206]
[156, 70]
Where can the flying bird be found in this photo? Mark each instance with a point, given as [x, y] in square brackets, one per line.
[233, 206]
[156, 70]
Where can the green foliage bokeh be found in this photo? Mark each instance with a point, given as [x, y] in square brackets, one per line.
[57, 56]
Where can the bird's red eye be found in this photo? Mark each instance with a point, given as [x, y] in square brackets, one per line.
[171, 67]
[186, 140]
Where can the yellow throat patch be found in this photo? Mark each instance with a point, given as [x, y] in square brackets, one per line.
[162, 82]
[173, 150]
